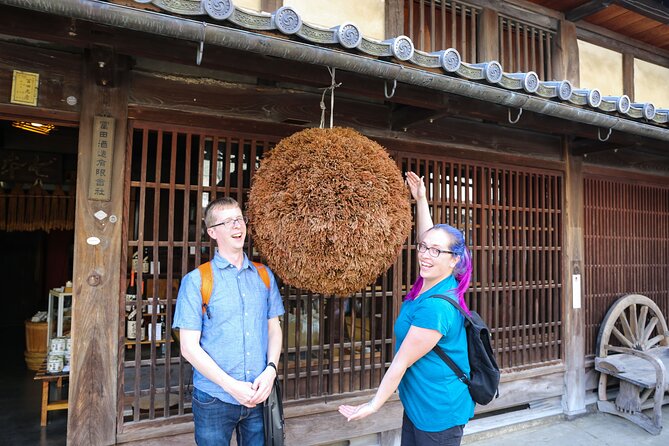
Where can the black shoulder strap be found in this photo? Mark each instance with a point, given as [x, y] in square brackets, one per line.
[442, 354]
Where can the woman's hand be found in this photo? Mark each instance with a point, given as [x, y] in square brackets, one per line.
[416, 185]
[357, 412]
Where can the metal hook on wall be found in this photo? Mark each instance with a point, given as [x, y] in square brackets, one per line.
[200, 49]
[599, 135]
[513, 121]
[385, 89]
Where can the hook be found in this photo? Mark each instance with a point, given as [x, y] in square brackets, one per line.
[385, 89]
[513, 121]
[599, 135]
[200, 49]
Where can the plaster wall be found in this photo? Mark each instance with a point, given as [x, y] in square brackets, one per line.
[650, 83]
[600, 68]
[367, 15]
[252, 5]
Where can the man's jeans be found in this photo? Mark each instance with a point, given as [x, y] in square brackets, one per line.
[215, 421]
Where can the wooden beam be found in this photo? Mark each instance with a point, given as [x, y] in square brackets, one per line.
[647, 8]
[96, 330]
[628, 75]
[565, 54]
[488, 35]
[586, 9]
[573, 313]
[614, 41]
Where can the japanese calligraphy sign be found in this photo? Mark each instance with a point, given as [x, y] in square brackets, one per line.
[24, 88]
[101, 159]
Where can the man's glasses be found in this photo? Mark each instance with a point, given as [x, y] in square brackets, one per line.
[232, 222]
[434, 252]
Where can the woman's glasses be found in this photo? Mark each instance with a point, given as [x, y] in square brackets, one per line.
[434, 252]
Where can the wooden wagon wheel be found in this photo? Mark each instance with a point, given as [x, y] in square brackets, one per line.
[633, 321]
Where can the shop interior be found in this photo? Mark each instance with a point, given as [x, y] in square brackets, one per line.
[38, 164]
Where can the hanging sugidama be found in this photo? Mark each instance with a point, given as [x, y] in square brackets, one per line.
[330, 211]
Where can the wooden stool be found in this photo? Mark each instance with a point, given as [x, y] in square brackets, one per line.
[48, 378]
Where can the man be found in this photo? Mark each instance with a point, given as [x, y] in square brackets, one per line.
[235, 344]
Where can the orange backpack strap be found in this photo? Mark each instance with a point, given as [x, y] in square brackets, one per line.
[207, 284]
[262, 272]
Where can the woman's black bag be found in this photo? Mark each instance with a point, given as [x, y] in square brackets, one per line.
[483, 382]
[273, 416]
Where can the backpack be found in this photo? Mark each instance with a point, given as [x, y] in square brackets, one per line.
[208, 281]
[273, 418]
[483, 383]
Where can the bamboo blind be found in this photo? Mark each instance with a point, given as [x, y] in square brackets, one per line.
[512, 221]
[434, 25]
[626, 234]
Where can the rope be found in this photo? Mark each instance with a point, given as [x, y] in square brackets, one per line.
[331, 88]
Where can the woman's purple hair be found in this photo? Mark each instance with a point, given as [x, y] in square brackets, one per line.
[462, 271]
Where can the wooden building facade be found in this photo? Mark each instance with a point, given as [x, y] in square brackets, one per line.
[551, 184]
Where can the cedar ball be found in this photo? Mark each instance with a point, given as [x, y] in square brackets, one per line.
[330, 210]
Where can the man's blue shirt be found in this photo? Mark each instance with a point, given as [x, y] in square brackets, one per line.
[234, 332]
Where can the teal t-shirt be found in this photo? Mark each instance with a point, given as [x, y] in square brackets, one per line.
[433, 397]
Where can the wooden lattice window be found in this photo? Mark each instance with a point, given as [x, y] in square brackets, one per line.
[331, 345]
[512, 221]
[626, 234]
[434, 25]
[524, 47]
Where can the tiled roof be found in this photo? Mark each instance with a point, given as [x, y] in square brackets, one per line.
[287, 21]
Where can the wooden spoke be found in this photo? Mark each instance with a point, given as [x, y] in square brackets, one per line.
[649, 329]
[641, 324]
[633, 322]
[626, 326]
[654, 341]
[645, 394]
[622, 338]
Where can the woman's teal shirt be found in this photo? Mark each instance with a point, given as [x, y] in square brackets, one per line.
[433, 397]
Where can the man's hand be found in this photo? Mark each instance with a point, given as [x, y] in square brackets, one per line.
[357, 412]
[243, 392]
[263, 385]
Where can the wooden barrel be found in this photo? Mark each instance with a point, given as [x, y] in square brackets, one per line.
[35, 344]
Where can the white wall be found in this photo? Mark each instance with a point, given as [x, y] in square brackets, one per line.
[600, 68]
[367, 15]
[651, 83]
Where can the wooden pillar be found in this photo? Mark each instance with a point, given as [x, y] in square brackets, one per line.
[565, 54]
[394, 18]
[573, 401]
[488, 35]
[628, 75]
[93, 393]
[270, 5]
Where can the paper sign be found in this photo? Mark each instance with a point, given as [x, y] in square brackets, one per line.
[576, 290]
[24, 88]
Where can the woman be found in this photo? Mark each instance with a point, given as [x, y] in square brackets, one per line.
[436, 403]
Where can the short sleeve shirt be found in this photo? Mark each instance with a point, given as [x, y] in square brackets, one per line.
[433, 397]
[234, 330]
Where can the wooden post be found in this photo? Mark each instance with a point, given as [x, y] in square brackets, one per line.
[573, 401]
[565, 54]
[394, 18]
[488, 35]
[628, 75]
[94, 372]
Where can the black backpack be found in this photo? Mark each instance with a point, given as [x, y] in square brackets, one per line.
[484, 382]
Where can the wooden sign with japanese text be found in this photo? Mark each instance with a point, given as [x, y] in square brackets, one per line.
[101, 159]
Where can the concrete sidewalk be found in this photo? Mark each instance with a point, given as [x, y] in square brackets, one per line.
[591, 429]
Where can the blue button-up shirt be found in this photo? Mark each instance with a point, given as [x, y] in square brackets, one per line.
[234, 332]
